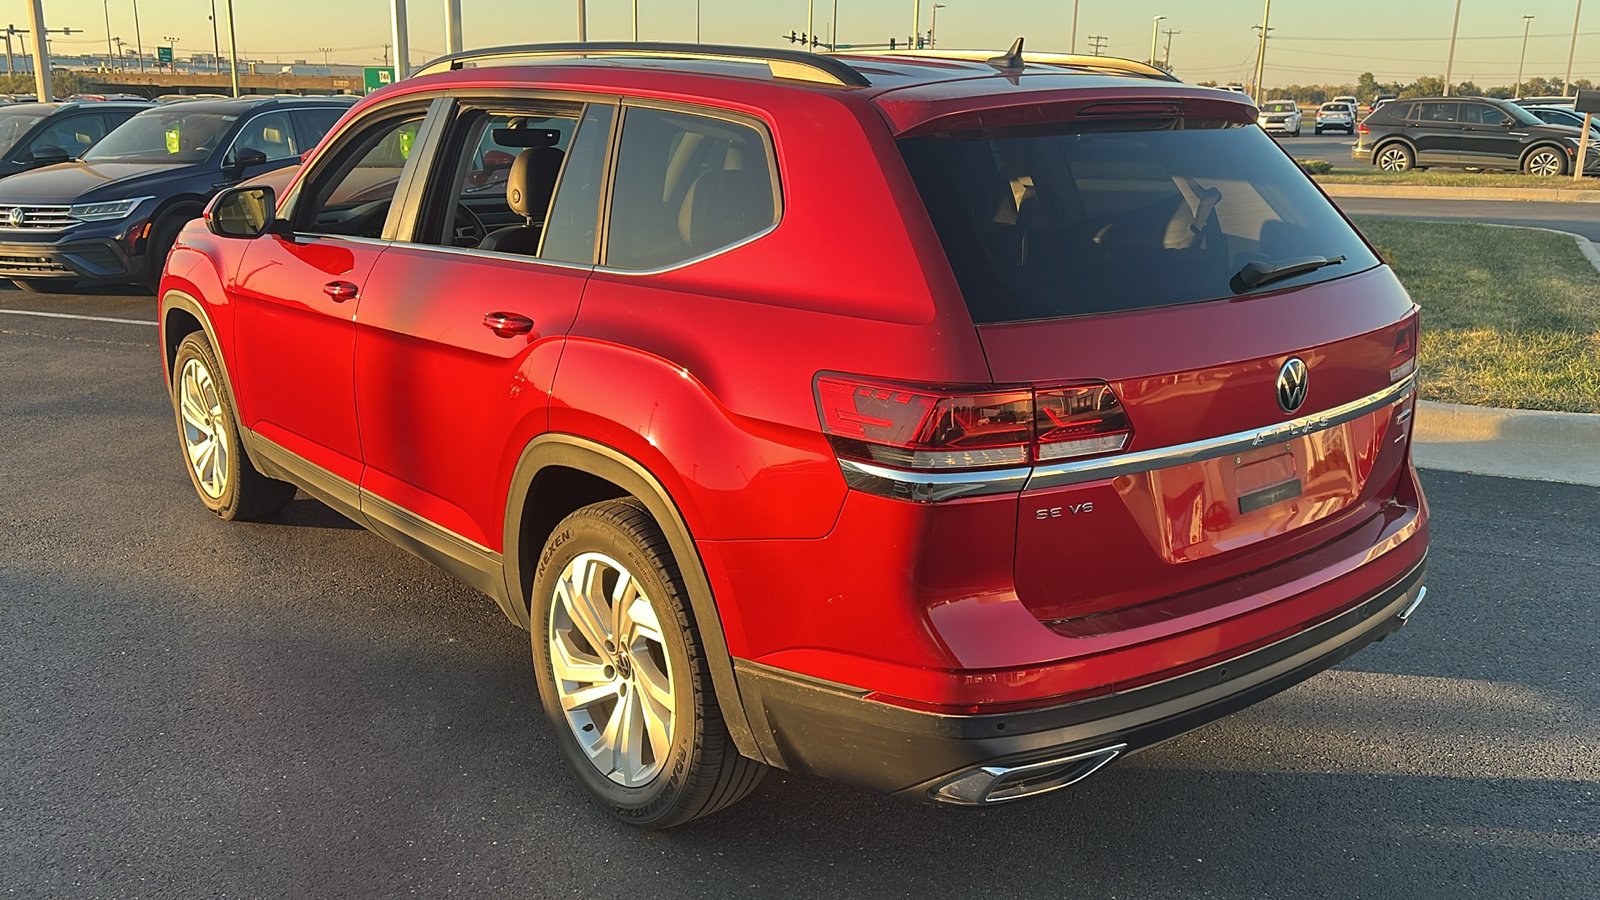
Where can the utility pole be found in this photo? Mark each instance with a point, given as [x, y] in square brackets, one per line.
[10, 66]
[697, 20]
[41, 56]
[324, 51]
[636, 21]
[1099, 43]
[452, 26]
[1155, 36]
[1450, 59]
[402, 39]
[120, 65]
[811, 28]
[216, 45]
[1261, 53]
[233, 52]
[1074, 47]
[583, 21]
[916, 25]
[138, 42]
[1566, 84]
[1166, 56]
[933, 28]
[1527, 22]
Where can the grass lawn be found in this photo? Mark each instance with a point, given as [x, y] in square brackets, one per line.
[1342, 174]
[1510, 316]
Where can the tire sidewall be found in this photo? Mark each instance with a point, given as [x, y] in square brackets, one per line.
[195, 348]
[657, 800]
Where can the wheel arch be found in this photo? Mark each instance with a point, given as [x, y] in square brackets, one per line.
[560, 473]
[1388, 142]
[1536, 146]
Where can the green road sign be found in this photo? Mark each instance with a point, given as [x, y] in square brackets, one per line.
[377, 77]
[164, 54]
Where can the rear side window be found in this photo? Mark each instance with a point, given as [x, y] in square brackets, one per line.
[687, 185]
[1436, 112]
[1048, 222]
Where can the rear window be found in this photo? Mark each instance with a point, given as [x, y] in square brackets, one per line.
[1043, 223]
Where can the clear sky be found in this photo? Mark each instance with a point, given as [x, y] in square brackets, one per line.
[1395, 39]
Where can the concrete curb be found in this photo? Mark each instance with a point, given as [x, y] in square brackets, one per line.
[1419, 192]
[1513, 443]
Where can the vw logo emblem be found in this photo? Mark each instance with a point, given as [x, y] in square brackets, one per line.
[17, 216]
[1292, 381]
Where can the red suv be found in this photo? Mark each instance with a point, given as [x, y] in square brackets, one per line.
[942, 425]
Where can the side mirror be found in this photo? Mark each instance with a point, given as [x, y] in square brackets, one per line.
[49, 153]
[245, 157]
[242, 212]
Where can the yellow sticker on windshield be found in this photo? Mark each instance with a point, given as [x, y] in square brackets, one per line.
[174, 139]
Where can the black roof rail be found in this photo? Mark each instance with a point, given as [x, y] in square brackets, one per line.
[795, 64]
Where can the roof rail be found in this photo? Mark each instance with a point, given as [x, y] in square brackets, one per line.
[1103, 63]
[794, 64]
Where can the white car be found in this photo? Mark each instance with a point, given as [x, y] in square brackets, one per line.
[1354, 103]
[1336, 115]
[1280, 117]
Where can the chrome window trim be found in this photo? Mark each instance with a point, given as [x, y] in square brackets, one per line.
[926, 486]
[475, 253]
[661, 270]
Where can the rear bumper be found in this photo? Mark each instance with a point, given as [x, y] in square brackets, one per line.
[834, 731]
[1361, 154]
[82, 259]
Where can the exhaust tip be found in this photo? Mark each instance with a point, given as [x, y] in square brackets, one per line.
[987, 785]
[1405, 614]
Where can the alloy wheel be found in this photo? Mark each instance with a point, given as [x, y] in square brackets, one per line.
[1544, 162]
[205, 429]
[612, 672]
[1394, 159]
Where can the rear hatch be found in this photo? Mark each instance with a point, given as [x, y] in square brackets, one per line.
[1259, 355]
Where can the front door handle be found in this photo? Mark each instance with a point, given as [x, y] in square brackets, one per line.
[505, 324]
[340, 291]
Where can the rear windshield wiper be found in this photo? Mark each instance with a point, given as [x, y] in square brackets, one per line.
[1255, 274]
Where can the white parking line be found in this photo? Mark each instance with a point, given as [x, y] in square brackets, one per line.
[54, 315]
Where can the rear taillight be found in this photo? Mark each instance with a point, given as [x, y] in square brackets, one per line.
[1363, 129]
[1404, 361]
[915, 427]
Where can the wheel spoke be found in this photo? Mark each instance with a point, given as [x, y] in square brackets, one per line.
[568, 665]
[585, 697]
[577, 598]
[655, 682]
[657, 723]
[623, 595]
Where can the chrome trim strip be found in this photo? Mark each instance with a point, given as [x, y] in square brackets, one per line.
[490, 255]
[931, 486]
[1076, 472]
[925, 486]
[659, 270]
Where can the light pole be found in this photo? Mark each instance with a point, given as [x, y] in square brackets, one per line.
[1450, 59]
[811, 34]
[916, 25]
[172, 42]
[1261, 52]
[138, 42]
[1527, 22]
[41, 55]
[697, 21]
[233, 52]
[583, 21]
[1155, 35]
[105, 7]
[1566, 83]
[324, 51]
[452, 27]
[402, 39]
[636, 21]
[1074, 48]
[216, 45]
[933, 28]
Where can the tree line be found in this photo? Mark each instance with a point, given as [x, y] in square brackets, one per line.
[1367, 87]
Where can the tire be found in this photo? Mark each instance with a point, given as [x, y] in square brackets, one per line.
[162, 236]
[229, 486]
[1394, 157]
[1546, 161]
[681, 768]
[1319, 130]
[46, 285]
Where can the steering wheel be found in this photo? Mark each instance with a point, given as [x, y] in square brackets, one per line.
[467, 230]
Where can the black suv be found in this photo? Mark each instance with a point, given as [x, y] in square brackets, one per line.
[112, 215]
[1472, 132]
[38, 134]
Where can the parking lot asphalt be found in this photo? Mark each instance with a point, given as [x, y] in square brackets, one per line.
[294, 708]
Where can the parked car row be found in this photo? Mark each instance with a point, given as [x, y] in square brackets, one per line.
[96, 192]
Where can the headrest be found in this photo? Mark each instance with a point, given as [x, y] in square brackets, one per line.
[527, 137]
[272, 135]
[532, 180]
[724, 205]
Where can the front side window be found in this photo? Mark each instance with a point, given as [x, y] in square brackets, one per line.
[269, 133]
[15, 122]
[74, 135]
[1436, 112]
[687, 185]
[1053, 221]
[314, 124]
[164, 136]
[351, 193]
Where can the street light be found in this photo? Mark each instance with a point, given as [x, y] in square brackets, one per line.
[138, 42]
[1527, 22]
[1155, 35]
[216, 44]
[933, 28]
[105, 7]
[1566, 84]
[1450, 60]
[325, 51]
[173, 43]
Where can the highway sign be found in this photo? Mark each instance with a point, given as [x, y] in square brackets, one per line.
[164, 54]
[377, 77]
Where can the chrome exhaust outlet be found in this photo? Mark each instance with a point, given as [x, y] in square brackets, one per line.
[987, 785]
[1405, 614]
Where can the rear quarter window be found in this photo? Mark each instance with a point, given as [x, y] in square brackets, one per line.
[1055, 221]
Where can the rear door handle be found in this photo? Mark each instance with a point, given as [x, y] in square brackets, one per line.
[505, 324]
[341, 291]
